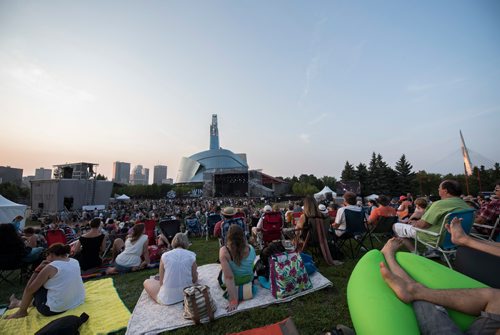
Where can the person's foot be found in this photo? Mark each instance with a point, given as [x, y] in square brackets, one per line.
[458, 235]
[17, 315]
[392, 246]
[404, 290]
[14, 302]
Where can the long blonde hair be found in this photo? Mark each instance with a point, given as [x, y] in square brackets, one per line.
[236, 243]
[311, 209]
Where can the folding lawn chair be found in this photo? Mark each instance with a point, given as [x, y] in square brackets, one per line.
[193, 226]
[10, 266]
[442, 239]
[55, 236]
[318, 239]
[382, 229]
[272, 224]
[355, 231]
[212, 219]
[487, 232]
[169, 228]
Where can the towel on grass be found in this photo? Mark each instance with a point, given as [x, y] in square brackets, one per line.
[150, 317]
[106, 311]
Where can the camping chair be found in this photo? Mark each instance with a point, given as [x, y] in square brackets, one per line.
[487, 232]
[382, 229]
[318, 239]
[193, 226]
[169, 228]
[10, 266]
[442, 239]
[272, 225]
[149, 229]
[209, 226]
[355, 230]
[296, 217]
[55, 236]
[228, 223]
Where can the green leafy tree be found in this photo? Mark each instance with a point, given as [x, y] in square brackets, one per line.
[329, 181]
[304, 189]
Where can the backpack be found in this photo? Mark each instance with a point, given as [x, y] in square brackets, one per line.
[227, 223]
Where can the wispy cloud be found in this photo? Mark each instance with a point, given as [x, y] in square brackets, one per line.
[312, 68]
[317, 119]
[304, 138]
[34, 79]
[422, 87]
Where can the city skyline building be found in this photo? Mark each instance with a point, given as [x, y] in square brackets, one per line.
[11, 175]
[42, 174]
[159, 174]
[139, 175]
[121, 172]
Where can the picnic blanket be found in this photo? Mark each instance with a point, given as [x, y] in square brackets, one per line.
[106, 311]
[151, 318]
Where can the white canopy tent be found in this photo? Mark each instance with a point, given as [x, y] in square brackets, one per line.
[123, 197]
[321, 195]
[9, 210]
[371, 197]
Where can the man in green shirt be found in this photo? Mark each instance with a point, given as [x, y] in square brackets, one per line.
[432, 220]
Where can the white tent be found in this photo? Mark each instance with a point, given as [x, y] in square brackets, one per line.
[323, 193]
[371, 197]
[9, 210]
[123, 197]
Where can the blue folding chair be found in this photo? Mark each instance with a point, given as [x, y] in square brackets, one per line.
[442, 241]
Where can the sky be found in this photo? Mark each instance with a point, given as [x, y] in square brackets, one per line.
[299, 86]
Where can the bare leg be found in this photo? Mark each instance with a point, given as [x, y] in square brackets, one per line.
[389, 251]
[152, 287]
[469, 301]
[14, 302]
[409, 244]
[23, 305]
[459, 237]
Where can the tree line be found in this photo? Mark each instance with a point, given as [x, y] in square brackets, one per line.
[379, 178]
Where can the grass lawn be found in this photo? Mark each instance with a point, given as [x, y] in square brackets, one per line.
[312, 314]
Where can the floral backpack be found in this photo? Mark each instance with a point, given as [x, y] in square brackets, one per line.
[288, 275]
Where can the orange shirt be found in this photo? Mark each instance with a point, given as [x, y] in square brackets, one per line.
[381, 211]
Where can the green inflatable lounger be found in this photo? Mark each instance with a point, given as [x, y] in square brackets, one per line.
[374, 307]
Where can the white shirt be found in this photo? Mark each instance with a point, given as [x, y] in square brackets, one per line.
[65, 290]
[131, 256]
[178, 274]
[340, 218]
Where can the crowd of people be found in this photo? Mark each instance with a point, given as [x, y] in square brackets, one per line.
[56, 284]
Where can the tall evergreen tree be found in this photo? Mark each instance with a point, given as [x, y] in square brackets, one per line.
[404, 176]
[348, 174]
[362, 176]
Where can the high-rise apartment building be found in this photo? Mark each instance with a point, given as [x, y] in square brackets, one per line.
[11, 175]
[43, 174]
[121, 172]
[160, 173]
[139, 176]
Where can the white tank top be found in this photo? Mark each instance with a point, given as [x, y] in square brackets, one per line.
[65, 290]
[131, 256]
[178, 275]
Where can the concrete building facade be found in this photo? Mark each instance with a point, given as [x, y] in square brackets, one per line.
[159, 174]
[11, 175]
[121, 172]
[43, 174]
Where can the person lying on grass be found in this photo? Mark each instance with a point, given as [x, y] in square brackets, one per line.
[178, 270]
[55, 286]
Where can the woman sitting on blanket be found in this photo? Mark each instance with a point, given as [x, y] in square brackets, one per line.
[55, 286]
[236, 258]
[178, 270]
[129, 259]
[88, 247]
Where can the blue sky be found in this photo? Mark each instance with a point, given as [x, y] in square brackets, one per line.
[299, 86]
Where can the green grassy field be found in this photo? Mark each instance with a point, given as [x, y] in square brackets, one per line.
[312, 314]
